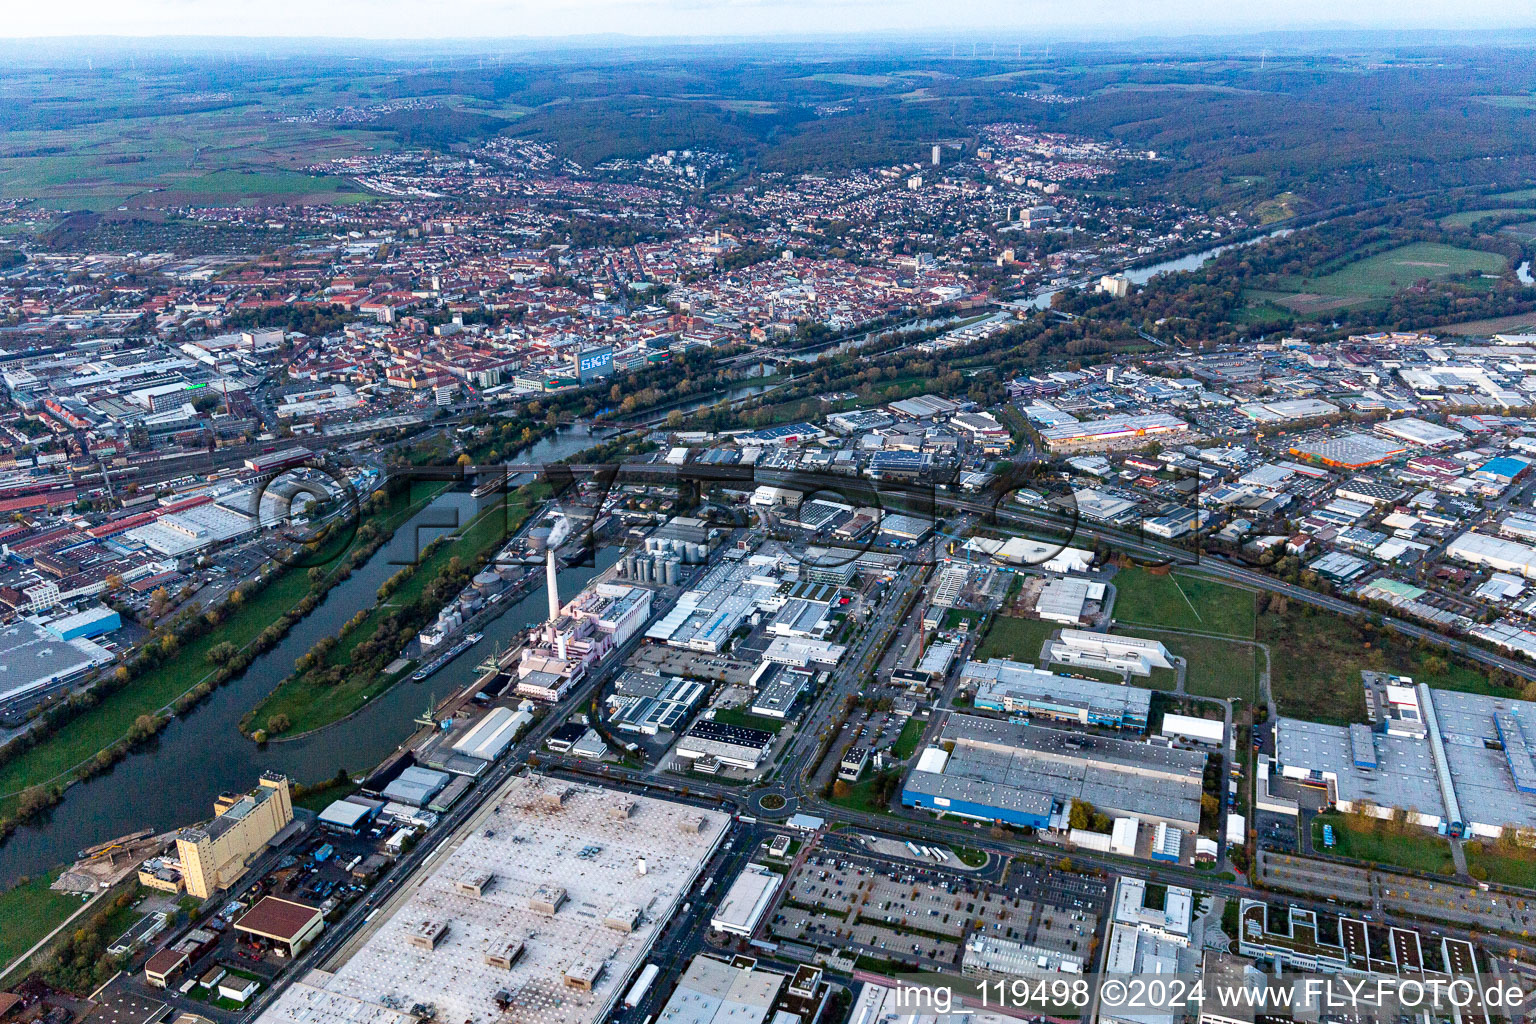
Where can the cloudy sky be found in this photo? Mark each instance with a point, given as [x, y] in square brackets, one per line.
[405, 19]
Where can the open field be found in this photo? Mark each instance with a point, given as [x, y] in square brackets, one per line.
[30, 911]
[1389, 272]
[1310, 302]
[1318, 658]
[209, 159]
[861, 797]
[1518, 324]
[1019, 639]
[1217, 667]
[1501, 867]
[1257, 309]
[1180, 601]
[864, 81]
[1513, 101]
[1468, 217]
[1416, 849]
[906, 743]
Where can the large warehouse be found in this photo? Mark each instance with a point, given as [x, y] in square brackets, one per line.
[33, 658]
[1494, 552]
[1110, 429]
[1459, 759]
[537, 912]
[1024, 774]
[1022, 689]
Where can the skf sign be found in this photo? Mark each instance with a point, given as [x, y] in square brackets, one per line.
[594, 362]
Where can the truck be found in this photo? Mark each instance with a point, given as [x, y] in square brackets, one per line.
[642, 985]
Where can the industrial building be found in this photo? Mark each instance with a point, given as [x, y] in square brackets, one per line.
[537, 912]
[1287, 410]
[1036, 553]
[712, 991]
[415, 786]
[778, 689]
[742, 907]
[90, 622]
[1128, 655]
[193, 529]
[1194, 730]
[282, 924]
[803, 653]
[1141, 944]
[578, 635]
[706, 616]
[214, 855]
[1459, 760]
[489, 738]
[1027, 775]
[734, 746]
[349, 814]
[33, 657]
[1110, 430]
[1350, 450]
[1019, 688]
[1065, 599]
[652, 704]
[1494, 553]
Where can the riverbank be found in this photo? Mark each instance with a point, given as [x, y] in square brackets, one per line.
[348, 674]
[93, 739]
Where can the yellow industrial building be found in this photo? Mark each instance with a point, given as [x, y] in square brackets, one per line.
[214, 855]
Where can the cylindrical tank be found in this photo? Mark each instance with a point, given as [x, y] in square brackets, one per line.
[700, 553]
[487, 581]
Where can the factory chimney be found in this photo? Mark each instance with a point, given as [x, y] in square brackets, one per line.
[552, 584]
[557, 535]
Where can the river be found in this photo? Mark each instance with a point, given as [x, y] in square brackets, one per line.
[1194, 261]
[175, 778]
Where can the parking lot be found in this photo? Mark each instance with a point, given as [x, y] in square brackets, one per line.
[924, 915]
[1276, 832]
[1061, 889]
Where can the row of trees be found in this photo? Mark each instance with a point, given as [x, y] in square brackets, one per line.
[225, 660]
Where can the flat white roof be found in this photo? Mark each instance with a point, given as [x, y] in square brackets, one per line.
[746, 900]
[534, 833]
[1206, 730]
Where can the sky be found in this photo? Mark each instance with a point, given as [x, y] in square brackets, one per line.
[491, 19]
